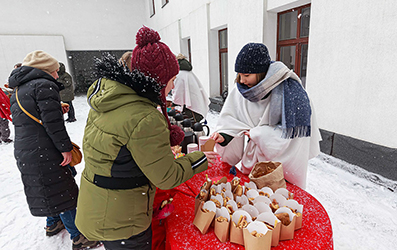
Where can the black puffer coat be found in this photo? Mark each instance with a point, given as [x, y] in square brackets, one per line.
[50, 188]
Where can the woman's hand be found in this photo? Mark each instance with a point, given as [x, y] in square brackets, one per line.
[67, 158]
[65, 108]
[247, 133]
[217, 137]
[211, 156]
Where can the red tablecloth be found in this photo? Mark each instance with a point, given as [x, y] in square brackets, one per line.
[180, 233]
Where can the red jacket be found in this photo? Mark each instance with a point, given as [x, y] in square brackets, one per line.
[5, 111]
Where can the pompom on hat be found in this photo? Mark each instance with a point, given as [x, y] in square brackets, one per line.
[253, 58]
[41, 60]
[155, 59]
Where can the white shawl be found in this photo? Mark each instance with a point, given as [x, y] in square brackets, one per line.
[239, 115]
[189, 91]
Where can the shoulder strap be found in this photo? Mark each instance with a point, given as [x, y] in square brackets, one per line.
[24, 110]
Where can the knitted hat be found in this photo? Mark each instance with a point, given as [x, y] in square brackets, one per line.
[153, 58]
[253, 58]
[41, 60]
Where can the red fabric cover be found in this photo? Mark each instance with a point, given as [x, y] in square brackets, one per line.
[316, 231]
[5, 111]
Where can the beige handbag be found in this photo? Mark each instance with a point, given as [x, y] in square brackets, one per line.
[268, 174]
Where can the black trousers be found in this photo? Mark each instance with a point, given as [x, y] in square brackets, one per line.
[71, 115]
[142, 241]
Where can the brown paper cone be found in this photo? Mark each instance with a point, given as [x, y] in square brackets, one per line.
[276, 234]
[208, 145]
[236, 234]
[287, 232]
[298, 223]
[221, 230]
[198, 200]
[203, 220]
[257, 243]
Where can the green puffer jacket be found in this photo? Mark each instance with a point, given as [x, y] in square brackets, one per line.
[126, 140]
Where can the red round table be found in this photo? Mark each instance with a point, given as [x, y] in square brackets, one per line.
[180, 233]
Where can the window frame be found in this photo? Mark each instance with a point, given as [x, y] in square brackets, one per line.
[189, 50]
[221, 51]
[152, 8]
[297, 42]
[164, 3]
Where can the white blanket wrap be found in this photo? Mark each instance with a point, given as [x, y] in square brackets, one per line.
[239, 115]
[189, 91]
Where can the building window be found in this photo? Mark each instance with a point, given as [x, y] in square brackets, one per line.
[163, 3]
[222, 37]
[151, 7]
[293, 39]
[189, 51]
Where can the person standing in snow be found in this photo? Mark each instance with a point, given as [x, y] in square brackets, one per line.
[127, 146]
[5, 116]
[189, 92]
[67, 94]
[268, 105]
[42, 148]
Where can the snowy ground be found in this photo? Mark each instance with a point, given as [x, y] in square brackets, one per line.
[363, 213]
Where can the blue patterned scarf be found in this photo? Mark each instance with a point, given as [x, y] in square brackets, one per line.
[289, 103]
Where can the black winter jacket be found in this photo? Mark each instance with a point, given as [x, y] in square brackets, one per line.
[50, 188]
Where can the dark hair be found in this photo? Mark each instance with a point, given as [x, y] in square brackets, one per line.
[259, 77]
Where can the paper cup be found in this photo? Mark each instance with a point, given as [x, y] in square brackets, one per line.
[191, 147]
[203, 140]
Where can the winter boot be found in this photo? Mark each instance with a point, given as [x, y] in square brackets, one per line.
[54, 228]
[8, 140]
[71, 120]
[80, 242]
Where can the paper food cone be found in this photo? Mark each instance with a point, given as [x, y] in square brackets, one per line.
[287, 232]
[199, 199]
[203, 220]
[276, 234]
[271, 219]
[257, 243]
[298, 222]
[208, 145]
[298, 211]
[221, 230]
[236, 234]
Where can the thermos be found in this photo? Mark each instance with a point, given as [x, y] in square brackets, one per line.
[179, 118]
[171, 115]
[198, 129]
[189, 138]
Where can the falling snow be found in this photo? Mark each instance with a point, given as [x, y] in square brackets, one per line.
[362, 212]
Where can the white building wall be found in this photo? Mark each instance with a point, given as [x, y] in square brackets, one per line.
[85, 25]
[15, 48]
[351, 68]
[351, 52]
[81, 25]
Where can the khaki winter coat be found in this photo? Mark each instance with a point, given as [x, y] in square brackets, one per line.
[126, 136]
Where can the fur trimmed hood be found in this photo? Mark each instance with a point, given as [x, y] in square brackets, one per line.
[109, 67]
